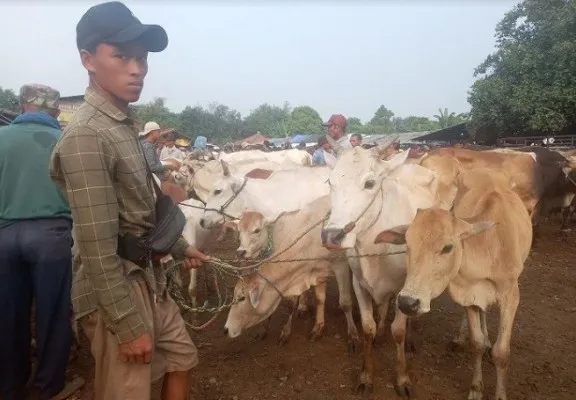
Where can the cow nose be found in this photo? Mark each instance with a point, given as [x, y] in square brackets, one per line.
[241, 253]
[408, 305]
[225, 331]
[202, 223]
[332, 236]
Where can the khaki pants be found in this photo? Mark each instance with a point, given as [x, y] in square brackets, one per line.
[173, 349]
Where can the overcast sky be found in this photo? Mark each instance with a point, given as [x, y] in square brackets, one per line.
[412, 56]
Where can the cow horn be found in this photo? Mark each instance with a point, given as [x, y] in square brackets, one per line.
[225, 168]
[389, 141]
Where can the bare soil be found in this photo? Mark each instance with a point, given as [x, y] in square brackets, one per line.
[543, 363]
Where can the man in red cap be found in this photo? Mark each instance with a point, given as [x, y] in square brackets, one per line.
[336, 132]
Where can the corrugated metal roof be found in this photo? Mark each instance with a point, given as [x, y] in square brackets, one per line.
[404, 137]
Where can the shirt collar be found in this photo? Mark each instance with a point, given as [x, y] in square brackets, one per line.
[96, 100]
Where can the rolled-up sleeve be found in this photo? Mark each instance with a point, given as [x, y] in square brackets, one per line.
[152, 158]
[86, 164]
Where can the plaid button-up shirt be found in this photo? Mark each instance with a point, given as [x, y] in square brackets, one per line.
[99, 165]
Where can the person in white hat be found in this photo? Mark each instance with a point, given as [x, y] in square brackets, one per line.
[148, 137]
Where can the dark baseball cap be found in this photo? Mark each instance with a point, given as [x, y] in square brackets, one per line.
[114, 23]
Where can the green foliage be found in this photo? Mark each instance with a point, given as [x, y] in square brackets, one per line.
[9, 100]
[529, 84]
[269, 120]
[305, 119]
[447, 119]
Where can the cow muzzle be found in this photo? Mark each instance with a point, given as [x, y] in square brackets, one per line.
[332, 238]
[409, 305]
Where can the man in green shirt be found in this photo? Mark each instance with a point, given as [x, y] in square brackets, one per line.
[136, 331]
[35, 251]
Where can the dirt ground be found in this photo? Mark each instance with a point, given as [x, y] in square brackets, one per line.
[543, 347]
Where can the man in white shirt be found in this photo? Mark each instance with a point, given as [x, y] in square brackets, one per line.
[170, 150]
[336, 133]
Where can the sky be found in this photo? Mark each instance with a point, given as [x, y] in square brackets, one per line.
[336, 56]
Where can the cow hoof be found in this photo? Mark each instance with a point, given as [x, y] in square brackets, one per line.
[261, 335]
[405, 391]
[353, 345]
[474, 395]
[365, 389]
[283, 339]
[316, 333]
[409, 347]
[456, 346]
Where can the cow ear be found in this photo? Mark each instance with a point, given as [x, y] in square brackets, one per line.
[396, 235]
[225, 169]
[476, 228]
[255, 293]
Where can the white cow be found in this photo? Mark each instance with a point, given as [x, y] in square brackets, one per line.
[258, 295]
[293, 156]
[283, 191]
[196, 236]
[260, 237]
[200, 178]
[369, 195]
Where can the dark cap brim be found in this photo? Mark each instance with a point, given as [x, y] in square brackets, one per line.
[153, 37]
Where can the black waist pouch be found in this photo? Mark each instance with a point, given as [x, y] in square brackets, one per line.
[170, 222]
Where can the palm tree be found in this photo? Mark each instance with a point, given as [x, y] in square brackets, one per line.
[445, 119]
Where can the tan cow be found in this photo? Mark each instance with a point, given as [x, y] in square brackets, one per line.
[258, 295]
[259, 237]
[477, 252]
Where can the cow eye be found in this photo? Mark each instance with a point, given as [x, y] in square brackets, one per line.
[240, 299]
[257, 230]
[369, 184]
[446, 249]
[217, 192]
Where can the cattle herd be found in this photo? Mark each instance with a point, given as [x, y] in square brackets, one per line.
[394, 229]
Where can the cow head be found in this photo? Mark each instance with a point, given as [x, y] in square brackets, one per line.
[225, 198]
[254, 238]
[434, 241]
[254, 301]
[355, 182]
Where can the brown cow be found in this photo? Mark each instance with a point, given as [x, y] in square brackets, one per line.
[477, 252]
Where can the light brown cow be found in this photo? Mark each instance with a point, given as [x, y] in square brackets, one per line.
[258, 296]
[259, 238]
[477, 252]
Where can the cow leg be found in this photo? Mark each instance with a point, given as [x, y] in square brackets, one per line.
[399, 329]
[501, 351]
[263, 331]
[487, 344]
[460, 340]
[365, 384]
[287, 329]
[477, 347]
[565, 223]
[320, 294]
[192, 286]
[382, 314]
[303, 304]
[343, 276]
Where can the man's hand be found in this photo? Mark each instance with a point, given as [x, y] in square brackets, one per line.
[138, 351]
[194, 258]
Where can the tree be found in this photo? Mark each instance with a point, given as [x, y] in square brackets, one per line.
[157, 111]
[9, 100]
[355, 125]
[446, 119]
[381, 122]
[269, 120]
[529, 84]
[413, 123]
[304, 119]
